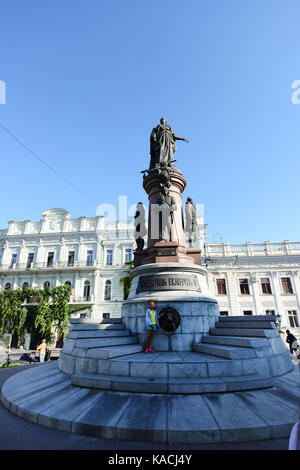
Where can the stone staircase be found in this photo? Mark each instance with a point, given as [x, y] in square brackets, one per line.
[239, 337]
[238, 354]
[88, 341]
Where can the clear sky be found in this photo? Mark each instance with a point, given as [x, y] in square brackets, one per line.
[86, 81]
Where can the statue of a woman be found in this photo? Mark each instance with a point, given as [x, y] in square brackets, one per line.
[163, 145]
[140, 226]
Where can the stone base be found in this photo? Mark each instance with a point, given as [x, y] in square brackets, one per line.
[46, 396]
[198, 316]
[182, 286]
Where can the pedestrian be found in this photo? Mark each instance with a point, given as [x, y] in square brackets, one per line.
[292, 341]
[152, 325]
[42, 349]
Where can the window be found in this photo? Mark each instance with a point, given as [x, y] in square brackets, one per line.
[106, 315]
[7, 286]
[293, 318]
[244, 286]
[13, 259]
[224, 314]
[71, 258]
[109, 257]
[286, 285]
[50, 259]
[128, 254]
[86, 290]
[83, 315]
[247, 312]
[47, 285]
[107, 290]
[270, 312]
[265, 285]
[221, 287]
[30, 259]
[90, 258]
[25, 285]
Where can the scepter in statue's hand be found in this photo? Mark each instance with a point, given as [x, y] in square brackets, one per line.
[180, 138]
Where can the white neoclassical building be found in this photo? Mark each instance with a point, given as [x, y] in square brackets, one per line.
[89, 254]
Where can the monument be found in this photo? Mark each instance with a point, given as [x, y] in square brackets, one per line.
[166, 271]
[211, 379]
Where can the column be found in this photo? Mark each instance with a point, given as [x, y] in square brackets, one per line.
[297, 291]
[33, 283]
[40, 253]
[77, 292]
[232, 295]
[256, 293]
[278, 300]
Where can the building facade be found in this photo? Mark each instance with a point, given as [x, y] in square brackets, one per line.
[256, 279]
[90, 255]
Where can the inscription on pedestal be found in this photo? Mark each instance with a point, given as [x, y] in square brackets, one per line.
[166, 251]
[159, 282]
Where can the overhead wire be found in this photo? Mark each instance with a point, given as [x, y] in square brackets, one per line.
[46, 164]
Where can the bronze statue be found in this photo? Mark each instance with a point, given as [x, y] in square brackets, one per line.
[167, 206]
[140, 226]
[163, 145]
[190, 220]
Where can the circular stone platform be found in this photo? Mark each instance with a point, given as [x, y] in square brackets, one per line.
[46, 396]
[238, 384]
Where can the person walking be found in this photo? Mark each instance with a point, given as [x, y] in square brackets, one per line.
[42, 350]
[152, 325]
[292, 341]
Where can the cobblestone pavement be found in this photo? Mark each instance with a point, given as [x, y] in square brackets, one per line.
[19, 434]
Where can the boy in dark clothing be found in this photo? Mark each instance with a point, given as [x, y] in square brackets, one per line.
[292, 341]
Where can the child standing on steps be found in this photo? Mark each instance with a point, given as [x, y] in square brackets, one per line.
[151, 326]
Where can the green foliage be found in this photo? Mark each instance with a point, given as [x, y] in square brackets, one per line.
[126, 281]
[51, 312]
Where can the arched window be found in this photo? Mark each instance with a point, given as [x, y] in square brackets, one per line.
[8, 286]
[68, 283]
[47, 285]
[87, 290]
[107, 290]
[25, 285]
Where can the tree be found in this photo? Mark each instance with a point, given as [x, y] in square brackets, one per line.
[51, 312]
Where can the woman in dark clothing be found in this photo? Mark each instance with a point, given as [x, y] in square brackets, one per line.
[292, 341]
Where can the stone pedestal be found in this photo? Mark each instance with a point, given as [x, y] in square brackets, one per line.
[181, 286]
[165, 244]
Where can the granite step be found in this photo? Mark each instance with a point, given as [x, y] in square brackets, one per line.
[248, 318]
[242, 342]
[83, 321]
[115, 352]
[252, 332]
[104, 342]
[97, 334]
[171, 386]
[227, 352]
[97, 326]
[111, 320]
[247, 324]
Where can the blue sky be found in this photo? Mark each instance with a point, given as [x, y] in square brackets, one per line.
[87, 81]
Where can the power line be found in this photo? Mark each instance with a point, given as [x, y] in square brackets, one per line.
[46, 164]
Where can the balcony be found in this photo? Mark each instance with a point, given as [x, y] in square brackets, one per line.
[75, 299]
[46, 266]
[252, 249]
